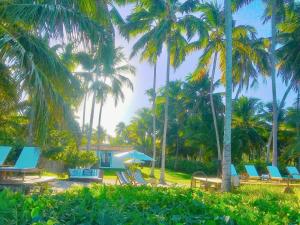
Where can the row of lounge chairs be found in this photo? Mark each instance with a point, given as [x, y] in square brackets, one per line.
[131, 178]
[26, 163]
[273, 173]
[96, 175]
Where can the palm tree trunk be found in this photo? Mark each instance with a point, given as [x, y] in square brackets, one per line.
[84, 109]
[226, 175]
[177, 151]
[99, 123]
[287, 91]
[298, 124]
[30, 126]
[163, 151]
[273, 75]
[213, 106]
[269, 147]
[154, 122]
[91, 122]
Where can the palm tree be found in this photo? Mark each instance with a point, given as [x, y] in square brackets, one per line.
[86, 77]
[45, 80]
[116, 78]
[226, 175]
[214, 47]
[247, 67]
[162, 25]
[274, 11]
[137, 23]
[286, 53]
[248, 128]
[273, 76]
[120, 128]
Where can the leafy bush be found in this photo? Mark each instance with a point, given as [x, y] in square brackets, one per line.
[63, 147]
[145, 205]
[191, 166]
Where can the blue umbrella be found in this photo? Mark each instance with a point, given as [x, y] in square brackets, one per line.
[133, 161]
[134, 155]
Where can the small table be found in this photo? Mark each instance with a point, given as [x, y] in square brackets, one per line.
[207, 182]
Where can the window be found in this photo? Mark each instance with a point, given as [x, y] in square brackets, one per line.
[105, 159]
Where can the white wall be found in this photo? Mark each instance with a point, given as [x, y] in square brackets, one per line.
[116, 162]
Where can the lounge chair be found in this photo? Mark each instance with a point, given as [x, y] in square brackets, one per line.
[138, 178]
[235, 178]
[274, 173]
[123, 178]
[4, 151]
[252, 172]
[233, 171]
[293, 172]
[26, 163]
[93, 175]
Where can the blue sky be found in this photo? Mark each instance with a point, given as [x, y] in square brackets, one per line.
[250, 15]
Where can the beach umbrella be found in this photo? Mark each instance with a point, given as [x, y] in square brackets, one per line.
[133, 161]
[134, 155]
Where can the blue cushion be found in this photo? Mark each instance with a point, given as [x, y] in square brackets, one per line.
[233, 171]
[84, 173]
[4, 151]
[274, 172]
[28, 158]
[251, 170]
[293, 172]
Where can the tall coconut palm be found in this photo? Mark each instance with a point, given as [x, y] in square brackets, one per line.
[214, 48]
[138, 23]
[116, 79]
[226, 175]
[163, 25]
[86, 62]
[287, 53]
[275, 12]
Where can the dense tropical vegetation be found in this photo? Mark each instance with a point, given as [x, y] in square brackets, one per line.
[59, 59]
[114, 205]
[58, 55]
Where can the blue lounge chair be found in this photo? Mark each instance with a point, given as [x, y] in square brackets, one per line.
[293, 172]
[26, 163]
[4, 151]
[122, 178]
[138, 177]
[86, 175]
[252, 172]
[274, 173]
[233, 171]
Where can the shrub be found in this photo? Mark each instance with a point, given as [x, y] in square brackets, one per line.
[63, 147]
[191, 166]
[146, 205]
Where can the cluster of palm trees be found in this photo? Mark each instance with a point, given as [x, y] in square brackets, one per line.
[191, 137]
[42, 45]
[175, 23]
[46, 87]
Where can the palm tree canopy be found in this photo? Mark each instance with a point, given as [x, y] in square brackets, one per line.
[160, 23]
[249, 53]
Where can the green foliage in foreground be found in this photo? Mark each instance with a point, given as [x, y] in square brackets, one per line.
[145, 205]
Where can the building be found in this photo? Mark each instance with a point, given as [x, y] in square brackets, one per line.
[106, 155]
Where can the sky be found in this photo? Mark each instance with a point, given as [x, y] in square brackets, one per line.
[143, 80]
